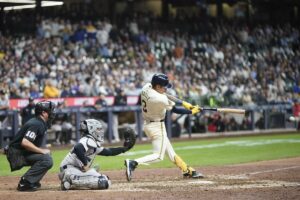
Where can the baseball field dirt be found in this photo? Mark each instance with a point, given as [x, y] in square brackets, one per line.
[276, 179]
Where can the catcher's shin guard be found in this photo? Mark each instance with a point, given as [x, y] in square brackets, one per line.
[92, 182]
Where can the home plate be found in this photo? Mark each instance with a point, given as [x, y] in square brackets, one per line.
[201, 182]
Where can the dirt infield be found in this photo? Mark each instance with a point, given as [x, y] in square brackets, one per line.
[278, 179]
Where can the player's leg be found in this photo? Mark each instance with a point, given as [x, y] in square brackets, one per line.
[76, 179]
[187, 171]
[175, 158]
[40, 164]
[157, 133]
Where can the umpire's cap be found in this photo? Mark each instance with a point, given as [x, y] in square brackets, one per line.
[161, 79]
[46, 106]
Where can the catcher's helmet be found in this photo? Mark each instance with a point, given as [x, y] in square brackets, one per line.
[161, 79]
[46, 106]
[92, 128]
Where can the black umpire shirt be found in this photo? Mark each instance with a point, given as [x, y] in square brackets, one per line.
[33, 130]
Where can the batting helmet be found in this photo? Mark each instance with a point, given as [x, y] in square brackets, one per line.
[46, 106]
[161, 79]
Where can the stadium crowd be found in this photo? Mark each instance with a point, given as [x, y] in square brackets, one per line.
[209, 62]
[234, 63]
[212, 63]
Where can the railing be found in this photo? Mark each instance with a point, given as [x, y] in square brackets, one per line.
[265, 111]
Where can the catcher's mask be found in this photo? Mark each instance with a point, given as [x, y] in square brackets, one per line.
[93, 128]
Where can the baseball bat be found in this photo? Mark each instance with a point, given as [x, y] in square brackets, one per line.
[222, 110]
[226, 110]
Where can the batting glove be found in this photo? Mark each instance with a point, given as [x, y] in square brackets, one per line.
[187, 105]
[196, 109]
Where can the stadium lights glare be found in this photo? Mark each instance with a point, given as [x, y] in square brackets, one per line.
[31, 5]
[17, 1]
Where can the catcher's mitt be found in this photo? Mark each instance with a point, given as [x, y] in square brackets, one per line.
[129, 138]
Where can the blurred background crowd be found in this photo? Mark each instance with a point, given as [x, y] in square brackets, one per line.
[209, 62]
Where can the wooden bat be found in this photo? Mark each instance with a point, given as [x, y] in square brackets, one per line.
[226, 110]
[222, 110]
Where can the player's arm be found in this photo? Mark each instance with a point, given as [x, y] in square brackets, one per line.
[79, 151]
[187, 105]
[29, 138]
[178, 110]
[29, 146]
[112, 151]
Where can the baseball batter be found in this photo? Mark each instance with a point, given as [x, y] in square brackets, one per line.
[75, 169]
[155, 103]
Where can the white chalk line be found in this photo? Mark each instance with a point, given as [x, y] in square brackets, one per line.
[247, 175]
[273, 170]
[243, 143]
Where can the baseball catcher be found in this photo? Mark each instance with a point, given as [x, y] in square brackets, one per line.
[75, 169]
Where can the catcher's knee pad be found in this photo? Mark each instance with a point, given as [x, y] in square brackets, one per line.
[103, 182]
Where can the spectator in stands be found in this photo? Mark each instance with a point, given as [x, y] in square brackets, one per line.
[296, 112]
[50, 91]
[4, 102]
[246, 123]
[232, 125]
[175, 126]
[28, 111]
[4, 105]
[62, 125]
[34, 91]
[120, 100]
[14, 92]
[102, 116]
[66, 91]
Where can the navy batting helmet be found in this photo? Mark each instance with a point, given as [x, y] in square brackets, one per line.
[46, 106]
[161, 79]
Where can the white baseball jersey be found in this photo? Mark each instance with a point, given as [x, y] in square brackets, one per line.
[92, 149]
[154, 104]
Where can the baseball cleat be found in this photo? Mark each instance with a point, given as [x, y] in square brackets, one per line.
[130, 166]
[196, 174]
[37, 185]
[26, 186]
[193, 174]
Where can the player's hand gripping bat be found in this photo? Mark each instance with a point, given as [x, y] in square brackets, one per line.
[222, 110]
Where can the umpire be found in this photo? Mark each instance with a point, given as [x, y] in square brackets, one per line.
[25, 149]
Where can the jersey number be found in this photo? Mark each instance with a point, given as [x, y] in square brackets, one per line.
[31, 135]
[144, 106]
